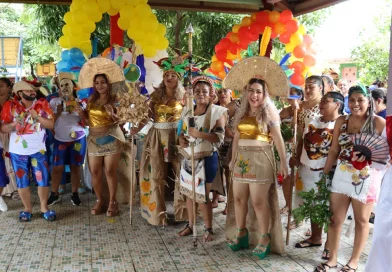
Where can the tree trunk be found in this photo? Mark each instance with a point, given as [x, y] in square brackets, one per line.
[32, 71]
[177, 32]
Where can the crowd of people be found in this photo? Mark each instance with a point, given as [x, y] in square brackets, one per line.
[230, 142]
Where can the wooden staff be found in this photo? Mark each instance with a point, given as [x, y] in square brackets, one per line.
[190, 32]
[292, 178]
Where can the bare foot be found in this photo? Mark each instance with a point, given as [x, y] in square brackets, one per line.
[284, 210]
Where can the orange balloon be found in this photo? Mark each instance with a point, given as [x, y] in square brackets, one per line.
[235, 28]
[213, 58]
[298, 66]
[217, 66]
[253, 16]
[299, 51]
[297, 79]
[292, 26]
[311, 50]
[274, 17]
[246, 21]
[234, 38]
[105, 52]
[222, 74]
[279, 28]
[286, 16]
[310, 60]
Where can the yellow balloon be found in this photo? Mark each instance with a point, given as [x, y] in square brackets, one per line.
[143, 10]
[117, 4]
[127, 12]
[78, 4]
[112, 11]
[296, 39]
[138, 35]
[63, 42]
[149, 51]
[289, 47]
[151, 38]
[302, 30]
[104, 5]
[214, 58]
[75, 30]
[134, 24]
[88, 26]
[78, 16]
[68, 17]
[91, 7]
[162, 44]
[66, 30]
[150, 24]
[96, 17]
[123, 23]
[143, 1]
[86, 47]
[133, 2]
[161, 30]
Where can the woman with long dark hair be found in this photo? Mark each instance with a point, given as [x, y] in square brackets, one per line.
[104, 143]
[351, 185]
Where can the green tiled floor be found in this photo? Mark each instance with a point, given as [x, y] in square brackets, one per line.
[78, 241]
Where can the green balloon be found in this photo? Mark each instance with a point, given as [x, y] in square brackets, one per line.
[133, 73]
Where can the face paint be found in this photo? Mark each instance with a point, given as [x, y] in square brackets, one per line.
[66, 88]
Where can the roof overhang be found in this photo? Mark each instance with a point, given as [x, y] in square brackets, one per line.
[298, 7]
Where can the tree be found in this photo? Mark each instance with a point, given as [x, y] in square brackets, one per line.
[372, 52]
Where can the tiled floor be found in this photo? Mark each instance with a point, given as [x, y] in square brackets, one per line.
[78, 241]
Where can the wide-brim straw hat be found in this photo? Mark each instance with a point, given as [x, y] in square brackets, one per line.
[96, 66]
[22, 85]
[262, 68]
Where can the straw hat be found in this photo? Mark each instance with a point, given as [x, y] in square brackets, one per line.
[258, 67]
[66, 75]
[22, 85]
[99, 66]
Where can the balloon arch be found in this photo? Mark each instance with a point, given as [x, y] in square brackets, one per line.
[274, 24]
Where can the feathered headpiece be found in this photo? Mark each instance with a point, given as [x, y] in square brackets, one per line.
[199, 76]
[173, 64]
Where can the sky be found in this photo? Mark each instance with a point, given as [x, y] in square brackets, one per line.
[339, 33]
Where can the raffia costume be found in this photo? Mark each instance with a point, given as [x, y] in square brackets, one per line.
[256, 164]
[160, 164]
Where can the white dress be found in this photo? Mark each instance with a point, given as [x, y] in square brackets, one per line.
[380, 256]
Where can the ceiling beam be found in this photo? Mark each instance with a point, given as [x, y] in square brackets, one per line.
[313, 5]
[282, 5]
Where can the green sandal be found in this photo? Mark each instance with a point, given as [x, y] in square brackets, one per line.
[242, 242]
[261, 254]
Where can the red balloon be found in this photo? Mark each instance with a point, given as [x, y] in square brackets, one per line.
[225, 42]
[279, 28]
[243, 33]
[274, 34]
[218, 47]
[286, 16]
[298, 66]
[255, 29]
[310, 60]
[285, 37]
[297, 79]
[311, 50]
[234, 38]
[299, 51]
[292, 26]
[244, 43]
[308, 40]
[262, 17]
[233, 48]
[221, 55]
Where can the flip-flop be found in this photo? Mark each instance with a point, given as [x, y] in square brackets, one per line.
[306, 244]
[49, 215]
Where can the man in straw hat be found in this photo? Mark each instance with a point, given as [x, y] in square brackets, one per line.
[69, 140]
[25, 118]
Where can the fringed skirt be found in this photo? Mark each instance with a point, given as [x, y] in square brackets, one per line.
[105, 143]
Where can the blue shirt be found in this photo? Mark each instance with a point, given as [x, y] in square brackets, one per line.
[383, 113]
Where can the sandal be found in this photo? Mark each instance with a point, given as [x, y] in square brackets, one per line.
[308, 233]
[261, 251]
[224, 212]
[186, 231]
[284, 210]
[347, 268]
[49, 215]
[208, 235]
[221, 199]
[25, 216]
[112, 209]
[306, 244]
[325, 255]
[323, 267]
[294, 225]
[15, 196]
[97, 209]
